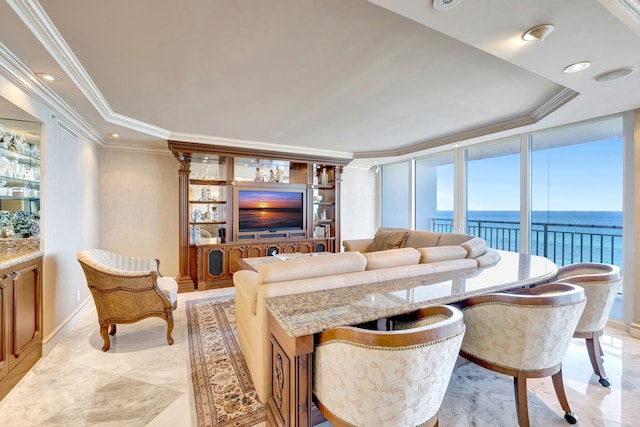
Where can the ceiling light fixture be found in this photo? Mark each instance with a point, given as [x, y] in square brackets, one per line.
[114, 135]
[538, 33]
[443, 5]
[607, 76]
[577, 67]
[49, 77]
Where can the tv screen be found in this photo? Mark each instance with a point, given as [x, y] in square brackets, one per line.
[270, 210]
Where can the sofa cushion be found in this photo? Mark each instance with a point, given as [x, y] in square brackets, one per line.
[384, 240]
[391, 258]
[474, 247]
[441, 253]
[421, 239]
[307, 267]
[453, 239]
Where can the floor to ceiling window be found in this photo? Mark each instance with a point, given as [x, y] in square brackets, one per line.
[395, 188]
[573, 204]
[576, 194]
[434, 192]
[493, 194]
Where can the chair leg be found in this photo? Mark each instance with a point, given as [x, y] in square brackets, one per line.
[595, 355]
[169, 327]
[104, 333]
[112, 330]
[558, 385]
[522, 406]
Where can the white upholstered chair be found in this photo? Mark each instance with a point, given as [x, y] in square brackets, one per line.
[126, 290]
[387, 378]
[524, 335]
[601, 283]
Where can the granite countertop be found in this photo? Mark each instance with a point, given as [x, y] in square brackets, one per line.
[9, 259]
[312, 312]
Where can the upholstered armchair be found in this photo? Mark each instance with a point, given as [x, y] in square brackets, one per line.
[524, 335]
[601, 283]
[387, 378]
[126, 290]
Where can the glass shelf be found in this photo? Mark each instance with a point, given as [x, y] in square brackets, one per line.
[207, 223]
[208, 202]
[18, 181]
[14, 155]
[18, 198]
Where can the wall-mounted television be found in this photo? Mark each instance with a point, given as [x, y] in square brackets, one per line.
[270, 210]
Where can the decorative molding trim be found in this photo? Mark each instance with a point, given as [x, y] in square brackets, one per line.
[19, 75]
[36, 19]
[558, 100]
[256, 145]
[112, 145]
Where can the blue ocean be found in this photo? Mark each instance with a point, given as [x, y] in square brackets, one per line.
[565, 237]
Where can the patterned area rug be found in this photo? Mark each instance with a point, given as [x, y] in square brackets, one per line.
[224, 393]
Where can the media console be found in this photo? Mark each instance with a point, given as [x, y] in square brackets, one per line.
[237, 203]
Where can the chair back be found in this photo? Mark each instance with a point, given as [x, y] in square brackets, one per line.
[523, 331]
[381, 378]
[601, 283]
[113, 263]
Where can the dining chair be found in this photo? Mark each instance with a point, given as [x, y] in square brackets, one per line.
[524, 335]
[387, 378]
[601, 283]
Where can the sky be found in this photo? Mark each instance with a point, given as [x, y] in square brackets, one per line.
[582, 177]
[270, 200]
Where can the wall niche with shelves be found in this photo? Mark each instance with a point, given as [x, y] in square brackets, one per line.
[19, 179]
[236, 203]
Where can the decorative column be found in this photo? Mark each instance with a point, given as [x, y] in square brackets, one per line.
[185, 282]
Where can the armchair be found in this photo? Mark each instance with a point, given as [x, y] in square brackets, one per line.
[524, 335]
[381, 378]
[126, 290]
[601, 283]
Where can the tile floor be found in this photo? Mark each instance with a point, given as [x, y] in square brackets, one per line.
[142, 381]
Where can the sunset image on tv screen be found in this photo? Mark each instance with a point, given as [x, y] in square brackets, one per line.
[269, 210]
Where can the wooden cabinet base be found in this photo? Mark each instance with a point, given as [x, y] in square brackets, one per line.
[289, 402]
[20, 370]
[20, 321]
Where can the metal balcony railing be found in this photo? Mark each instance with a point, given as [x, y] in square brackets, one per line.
[561, 243]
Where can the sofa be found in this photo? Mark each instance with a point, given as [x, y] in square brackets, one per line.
[307, 274]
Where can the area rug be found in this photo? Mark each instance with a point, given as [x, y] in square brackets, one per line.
[222, 387]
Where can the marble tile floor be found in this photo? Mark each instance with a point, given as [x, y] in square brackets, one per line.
[142, 381]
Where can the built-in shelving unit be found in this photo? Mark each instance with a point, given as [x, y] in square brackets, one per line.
[237, 203]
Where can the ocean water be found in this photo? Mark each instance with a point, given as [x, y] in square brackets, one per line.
[565, 237]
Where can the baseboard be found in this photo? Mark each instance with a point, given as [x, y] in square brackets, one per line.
[51, 340]
[634, 330]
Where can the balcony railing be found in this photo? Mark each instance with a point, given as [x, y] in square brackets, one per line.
[562, 243]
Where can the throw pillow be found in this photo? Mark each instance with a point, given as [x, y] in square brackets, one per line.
[387, 240]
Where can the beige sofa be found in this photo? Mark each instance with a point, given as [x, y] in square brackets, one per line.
[328, 271]
[439, 245]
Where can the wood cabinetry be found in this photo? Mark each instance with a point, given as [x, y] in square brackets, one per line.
[237, 203]
[20, 321]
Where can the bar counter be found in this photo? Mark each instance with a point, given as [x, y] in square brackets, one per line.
[313, 312]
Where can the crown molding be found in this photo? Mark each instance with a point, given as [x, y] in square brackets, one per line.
[24, 79]
[555, 102]
[256, 145]
[139, 148]
[36, 19]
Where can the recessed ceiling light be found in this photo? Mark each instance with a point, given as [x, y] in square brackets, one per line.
[445, 4]
[614, 74]
[577, 67]
[48, 77]
[114, 135]
[538, 33]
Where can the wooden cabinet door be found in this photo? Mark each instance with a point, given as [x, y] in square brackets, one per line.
[5, 301]
[26, 313]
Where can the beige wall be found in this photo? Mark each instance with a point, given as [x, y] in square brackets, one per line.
[139, 206]
[358, 204]
[70, 211]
